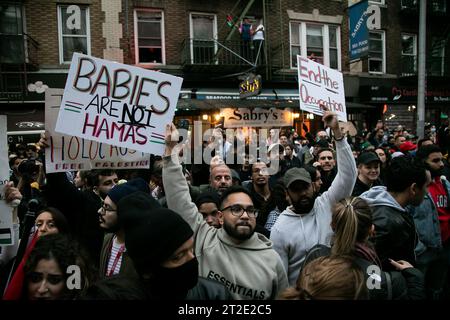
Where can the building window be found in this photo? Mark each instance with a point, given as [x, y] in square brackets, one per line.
[380, 2]
[438, 6]
[320, 43]
[377, 57]
[73, 31]
[437, 57]
[203, 31]
[409, 54]
[149, 37]
[11, 34]
[408, 4]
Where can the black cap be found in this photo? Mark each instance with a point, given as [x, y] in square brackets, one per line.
[368, 157]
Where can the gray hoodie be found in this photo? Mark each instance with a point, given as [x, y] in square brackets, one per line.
[294, 234]
[251, 270]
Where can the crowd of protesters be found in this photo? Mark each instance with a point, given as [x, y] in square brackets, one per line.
[342, 217]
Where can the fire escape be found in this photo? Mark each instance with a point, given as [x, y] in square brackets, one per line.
[18, 53]
[225, 53]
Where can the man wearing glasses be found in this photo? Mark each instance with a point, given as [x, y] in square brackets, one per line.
[233, 255]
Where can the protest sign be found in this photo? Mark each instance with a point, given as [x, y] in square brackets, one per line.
[319, 85]
[73, 153]
[118, 104]
[6, 238]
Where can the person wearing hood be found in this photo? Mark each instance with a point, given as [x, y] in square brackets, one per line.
[307, 221]
[160, 245]
[114, 258]
[234, 255]
[432, 219]
[395, 232]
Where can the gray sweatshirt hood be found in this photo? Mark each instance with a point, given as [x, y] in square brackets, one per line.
[378, 196]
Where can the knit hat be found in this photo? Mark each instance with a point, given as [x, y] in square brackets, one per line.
[151, 234]
[124, 189]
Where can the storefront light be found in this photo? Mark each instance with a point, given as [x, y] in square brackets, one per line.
[217, 117]
[296, 115]
[205, 117]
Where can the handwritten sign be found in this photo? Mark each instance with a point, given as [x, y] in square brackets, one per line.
[318, 85]
[74, 153]
[6, 231]
[257, 117]
[117, 104]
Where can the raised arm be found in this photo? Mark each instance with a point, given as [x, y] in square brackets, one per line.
[342, 185]
[175, 184]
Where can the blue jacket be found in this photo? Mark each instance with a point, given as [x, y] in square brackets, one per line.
[427, 223]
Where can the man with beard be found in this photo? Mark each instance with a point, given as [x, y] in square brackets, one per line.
[395, 232]
[432, 220]
[114, 257]
[307, 221]
[259, 188]
[234, 255]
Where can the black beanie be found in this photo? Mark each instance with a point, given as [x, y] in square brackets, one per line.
[124, 189]
[151, 234]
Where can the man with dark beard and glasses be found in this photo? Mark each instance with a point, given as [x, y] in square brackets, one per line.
[307, 221]
[432, 220]
[234, 255]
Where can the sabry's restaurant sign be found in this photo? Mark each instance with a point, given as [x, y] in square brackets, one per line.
[257, 117]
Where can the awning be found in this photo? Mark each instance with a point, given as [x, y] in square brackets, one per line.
[217, 98]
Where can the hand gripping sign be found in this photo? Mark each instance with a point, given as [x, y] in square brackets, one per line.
[118, 104]
[320, 85]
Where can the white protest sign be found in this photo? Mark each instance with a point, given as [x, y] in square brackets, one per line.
[257, 117]
[318, 85]
[6, 238]
[118, 104]
[73, 153]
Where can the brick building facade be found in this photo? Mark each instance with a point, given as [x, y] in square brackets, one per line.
[170, 35]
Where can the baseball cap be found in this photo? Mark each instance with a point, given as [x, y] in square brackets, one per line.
[407, 146]
[296, 174]
[368, 157]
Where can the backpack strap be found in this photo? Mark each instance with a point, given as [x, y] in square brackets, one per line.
[388, 285]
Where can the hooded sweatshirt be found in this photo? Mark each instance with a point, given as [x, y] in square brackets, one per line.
[294, 234]
[250, 270]
[395, 233]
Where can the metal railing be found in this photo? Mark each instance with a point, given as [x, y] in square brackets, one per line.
[18, 49]
[225, 52]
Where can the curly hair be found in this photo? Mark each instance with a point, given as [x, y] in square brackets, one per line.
[66, 252]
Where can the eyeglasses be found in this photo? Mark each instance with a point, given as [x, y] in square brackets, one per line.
[238, 210]
[106, 208]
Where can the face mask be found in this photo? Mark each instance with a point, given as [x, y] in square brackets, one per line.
[175, 282]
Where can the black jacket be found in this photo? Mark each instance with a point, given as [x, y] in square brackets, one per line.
[394, 285]
[81, 210]
[360, 187]
[395, 232]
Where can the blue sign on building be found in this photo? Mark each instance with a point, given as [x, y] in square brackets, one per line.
[358, 31]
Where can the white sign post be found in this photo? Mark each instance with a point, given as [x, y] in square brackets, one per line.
[118, 104]
[319, 85]
[6, 238]
[73, 153]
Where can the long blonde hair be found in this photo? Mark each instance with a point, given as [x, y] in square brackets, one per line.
[329, 278]
[351, 222]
